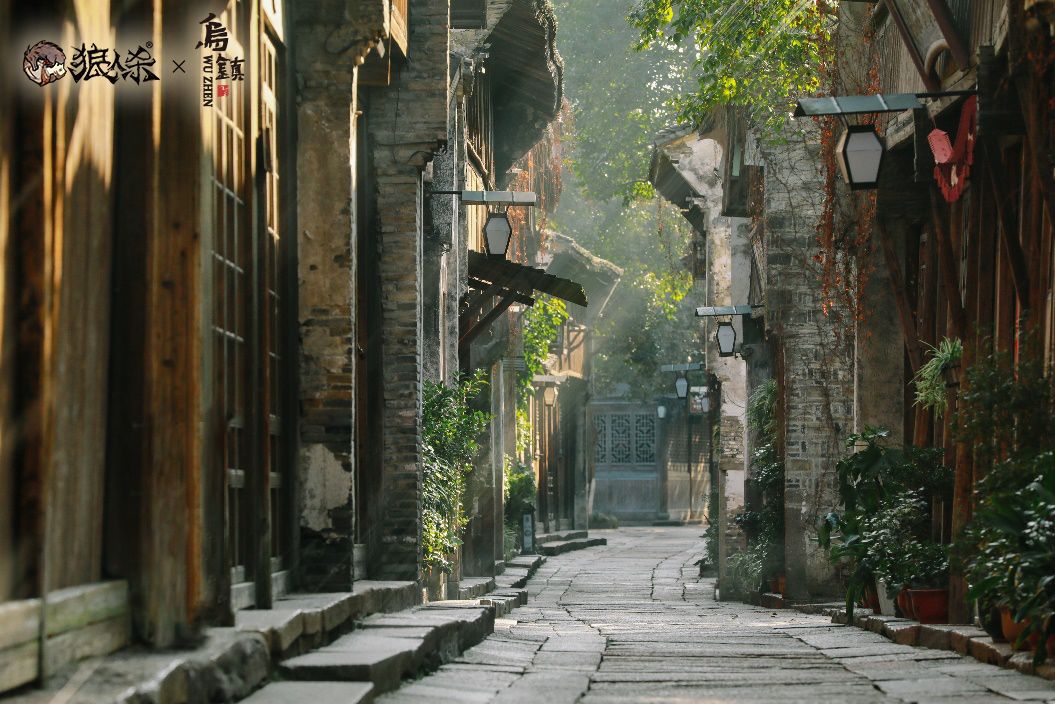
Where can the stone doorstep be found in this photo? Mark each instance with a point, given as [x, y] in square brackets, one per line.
[559, 536]
[561, 547]
[303, 621]
[964, 639]
[314, 692]
[390, 648]
[475, 587]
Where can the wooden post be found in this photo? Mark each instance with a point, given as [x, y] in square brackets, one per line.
[947, 265]
[906, 315]
[1011, 246]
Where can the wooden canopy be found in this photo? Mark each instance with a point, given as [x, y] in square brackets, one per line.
[492, 277]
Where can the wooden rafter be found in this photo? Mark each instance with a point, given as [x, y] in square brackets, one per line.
[483, 323]
[910, 44]
[947, 26]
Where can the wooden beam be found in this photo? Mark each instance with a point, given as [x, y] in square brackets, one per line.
[947, 25]
[1039, 161]
[907, 317]
[947, 265]
[1010, 244]
[472, 333]
[910, 44]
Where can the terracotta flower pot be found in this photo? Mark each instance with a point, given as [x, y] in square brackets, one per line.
[872, 599]
[905, 604]
[1010, 628]
[930, 605]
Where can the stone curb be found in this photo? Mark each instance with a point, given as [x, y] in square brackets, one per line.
[963, 639]
[561, 547]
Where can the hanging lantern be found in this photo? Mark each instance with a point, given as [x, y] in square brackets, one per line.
[859, 154]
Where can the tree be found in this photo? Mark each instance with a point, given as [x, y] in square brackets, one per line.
[619, 101]
[759, 54]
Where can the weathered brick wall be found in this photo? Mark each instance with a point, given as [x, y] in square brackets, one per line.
[408, 123]
[326, 218]
[817, 378]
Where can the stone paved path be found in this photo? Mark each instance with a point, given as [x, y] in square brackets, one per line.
[631, 622]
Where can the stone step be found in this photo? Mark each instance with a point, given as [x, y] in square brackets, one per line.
[475, 587]
[314, 692]
[390, 647]
[559, 548]
[301, 622]
[559, 536]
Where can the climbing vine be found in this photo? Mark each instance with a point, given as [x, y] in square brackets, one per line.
[539, 327]
[450, 428]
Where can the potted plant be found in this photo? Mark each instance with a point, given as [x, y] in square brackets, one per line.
[938, 373]
[927, 594]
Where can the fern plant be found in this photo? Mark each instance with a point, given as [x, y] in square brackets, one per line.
[930, 377]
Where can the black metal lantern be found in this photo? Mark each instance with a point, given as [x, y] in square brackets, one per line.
[859, 154]
[497, 233]
[725, 337]
[681, 385]
[549, 396]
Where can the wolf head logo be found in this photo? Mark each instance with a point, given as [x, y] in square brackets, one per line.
[44, 63]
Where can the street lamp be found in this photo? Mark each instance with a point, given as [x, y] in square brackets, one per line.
[859, 155]
[661, 411]
[497, 233]
[549, 396]
[725, 336]
[681, 385]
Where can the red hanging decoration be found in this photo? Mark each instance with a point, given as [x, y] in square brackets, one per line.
[952, 164]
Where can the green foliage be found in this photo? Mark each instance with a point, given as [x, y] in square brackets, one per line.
[744, 572]
[874, 481]
[539, 326]
[520, 490]
[899, 550]
[1007, 551]
[1010, 548]
[619, 98]
[1006, 408]
[764, 527]
[450, 428]
[930, 377]
[759, 54]
[619, 102]
[603, 520]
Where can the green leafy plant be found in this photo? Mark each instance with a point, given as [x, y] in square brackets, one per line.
[899, 550]
[744, 572]
[1008, 551]
[450, 428]
[603, 520]
[759, 55]
[930, 377]
[871, 480]
[764, 524]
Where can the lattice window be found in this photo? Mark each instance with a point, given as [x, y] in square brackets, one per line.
[601, 450]
[621, 442]
[645, 439]
[625, 438]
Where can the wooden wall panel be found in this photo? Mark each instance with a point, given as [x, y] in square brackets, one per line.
[79, 344]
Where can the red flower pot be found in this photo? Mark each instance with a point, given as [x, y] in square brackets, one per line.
[905, 604]
[872, 600]
[930, 605]
[1011, 628]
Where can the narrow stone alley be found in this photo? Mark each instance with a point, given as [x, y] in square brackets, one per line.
[632, 622]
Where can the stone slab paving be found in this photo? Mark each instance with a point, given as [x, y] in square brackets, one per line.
[632, 622]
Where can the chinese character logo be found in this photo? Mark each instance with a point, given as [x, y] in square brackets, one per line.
[44, 63]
